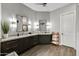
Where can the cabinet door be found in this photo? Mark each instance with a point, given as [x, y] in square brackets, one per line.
[28, 43]
[45, 38]
[22, 45]
[9, 46]
[35, 40]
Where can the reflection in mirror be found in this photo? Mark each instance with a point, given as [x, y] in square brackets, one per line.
[19, 23]
[22, 23]
[42, 25]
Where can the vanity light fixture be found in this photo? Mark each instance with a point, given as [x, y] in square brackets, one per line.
[29, 24]
[36, 25]
[48, 24]
[13, 23]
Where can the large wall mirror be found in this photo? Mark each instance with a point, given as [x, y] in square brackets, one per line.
[22, 23]
[42, 25]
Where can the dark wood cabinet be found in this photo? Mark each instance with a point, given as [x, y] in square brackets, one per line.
[21, 45]
[45, 39]
[30, 41]
[24, 44]
[8, 46]
[35, 40]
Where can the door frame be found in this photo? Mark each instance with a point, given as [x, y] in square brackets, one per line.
[69, 12]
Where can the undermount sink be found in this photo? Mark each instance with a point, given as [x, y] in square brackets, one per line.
[24, 33]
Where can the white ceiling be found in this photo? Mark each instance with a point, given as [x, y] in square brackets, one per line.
[49, 7]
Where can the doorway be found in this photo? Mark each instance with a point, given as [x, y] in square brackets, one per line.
[67, 29]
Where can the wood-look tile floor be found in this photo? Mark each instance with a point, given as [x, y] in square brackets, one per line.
[50, 50]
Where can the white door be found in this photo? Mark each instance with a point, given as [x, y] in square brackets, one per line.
[67, 29]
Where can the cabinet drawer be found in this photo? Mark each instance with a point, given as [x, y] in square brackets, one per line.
[11, 42]
[13, 47]
[8, 44]
[8, 49]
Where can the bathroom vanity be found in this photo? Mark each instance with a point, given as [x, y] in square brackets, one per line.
[22, 43]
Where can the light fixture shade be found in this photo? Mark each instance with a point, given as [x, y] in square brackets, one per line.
[36, 25]
[13, 23]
